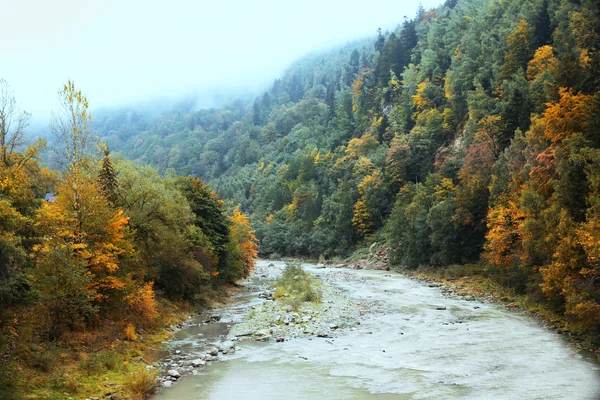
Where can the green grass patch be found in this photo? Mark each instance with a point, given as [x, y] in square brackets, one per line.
[297, 286]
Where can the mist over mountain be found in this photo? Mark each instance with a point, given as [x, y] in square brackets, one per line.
[125, 53]
[458, 143]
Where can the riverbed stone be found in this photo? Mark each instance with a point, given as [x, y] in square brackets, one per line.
[213, 352]
[198, 363]
[225, 346]
[174, 373]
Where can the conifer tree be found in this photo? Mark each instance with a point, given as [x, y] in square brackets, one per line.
[108, 180]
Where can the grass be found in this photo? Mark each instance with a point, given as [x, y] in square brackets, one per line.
[141, 383]
[297, 286]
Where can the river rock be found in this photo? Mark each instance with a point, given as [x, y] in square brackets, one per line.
[174, 373]
[214, 317]
[213, 352]
[212, 358]
[225, 346]
[266, 295]
[167, 384]
[198, 363]
[263, 338]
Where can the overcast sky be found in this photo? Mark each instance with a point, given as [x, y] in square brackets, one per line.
[121, 51]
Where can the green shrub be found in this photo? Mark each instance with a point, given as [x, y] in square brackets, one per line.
[297, 286]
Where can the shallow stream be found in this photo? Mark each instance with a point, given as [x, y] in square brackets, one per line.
[412, 343]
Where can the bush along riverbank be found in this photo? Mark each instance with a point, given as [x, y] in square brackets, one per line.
[114, 360]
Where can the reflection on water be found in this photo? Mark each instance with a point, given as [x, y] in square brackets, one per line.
[415, 344]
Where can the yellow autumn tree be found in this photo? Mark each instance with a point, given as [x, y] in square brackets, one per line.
[503, 239]
[543, 61]
[420, 101]
[241, 247]
[361, 146]
[83, 239]
[93, 231]
[367, 212]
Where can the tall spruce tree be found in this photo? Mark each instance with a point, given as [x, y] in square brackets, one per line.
[108, 180]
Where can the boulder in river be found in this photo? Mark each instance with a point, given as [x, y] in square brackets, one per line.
[174, 373]
[225, 346]
[213, 352]
[198, 363]
[214, 317]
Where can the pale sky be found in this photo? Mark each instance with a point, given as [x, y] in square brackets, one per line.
[124, 51]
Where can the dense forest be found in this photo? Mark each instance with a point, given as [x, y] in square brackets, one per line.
[97, 252]
[467, 135]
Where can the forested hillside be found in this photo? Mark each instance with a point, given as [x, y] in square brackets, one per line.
[468, 135]
[94, 255]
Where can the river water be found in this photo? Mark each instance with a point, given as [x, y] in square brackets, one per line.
[414, 343]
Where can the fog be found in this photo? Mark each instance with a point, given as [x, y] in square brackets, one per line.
[121, 52]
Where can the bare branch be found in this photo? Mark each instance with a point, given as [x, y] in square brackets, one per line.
[12, 125]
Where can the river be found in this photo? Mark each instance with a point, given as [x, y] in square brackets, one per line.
[413, 343]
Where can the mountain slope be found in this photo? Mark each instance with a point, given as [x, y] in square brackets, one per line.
[468, 134]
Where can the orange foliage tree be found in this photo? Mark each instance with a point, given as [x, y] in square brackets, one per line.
[241, 248]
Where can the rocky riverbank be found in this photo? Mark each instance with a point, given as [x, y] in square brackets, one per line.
[258, 317]
[276, 320]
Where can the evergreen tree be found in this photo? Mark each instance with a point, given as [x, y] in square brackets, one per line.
[108, 180]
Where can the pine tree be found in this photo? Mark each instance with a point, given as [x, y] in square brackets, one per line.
[108, 180]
